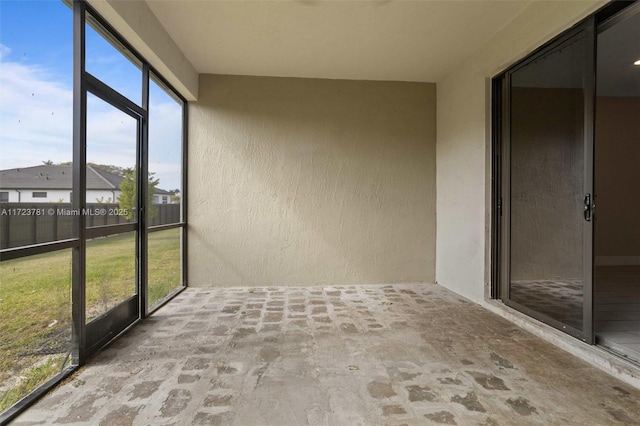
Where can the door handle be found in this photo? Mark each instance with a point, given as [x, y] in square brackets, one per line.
[587, 207]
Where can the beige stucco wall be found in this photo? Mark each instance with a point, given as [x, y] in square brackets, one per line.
[463, 147]
[307, 181]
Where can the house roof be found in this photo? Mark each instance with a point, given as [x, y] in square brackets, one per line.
[159, 191]
[60, 177]
[56, 177]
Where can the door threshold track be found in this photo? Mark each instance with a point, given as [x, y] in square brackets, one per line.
[613, 362]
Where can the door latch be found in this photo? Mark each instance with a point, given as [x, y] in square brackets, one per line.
[588, 207]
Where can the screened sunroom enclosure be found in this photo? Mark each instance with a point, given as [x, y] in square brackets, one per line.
[93, 207]
[315, 160]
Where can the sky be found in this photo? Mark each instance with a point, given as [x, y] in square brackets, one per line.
[36, 110]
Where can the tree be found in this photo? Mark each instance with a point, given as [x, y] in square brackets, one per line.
[127, 198]
[48, 163]
[175, 196]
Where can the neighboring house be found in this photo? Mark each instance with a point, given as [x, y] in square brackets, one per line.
[52, 184]
[160, 196]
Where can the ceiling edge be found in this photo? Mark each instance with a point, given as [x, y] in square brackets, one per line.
[135, 21]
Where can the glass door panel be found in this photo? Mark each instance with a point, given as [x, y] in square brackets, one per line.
[110, 272]
[164, 263]
[164, 210]
[112, 141]
[112, 248]
[165, 156]
[617, 234]
[549, 237]
[111, 61]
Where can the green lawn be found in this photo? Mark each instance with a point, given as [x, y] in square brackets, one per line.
[35, 302]
[164, 267]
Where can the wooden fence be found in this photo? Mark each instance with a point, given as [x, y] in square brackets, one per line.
[23, 224]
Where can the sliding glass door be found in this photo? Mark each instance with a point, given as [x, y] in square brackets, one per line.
[546, 202]
[617, 153]
[112, 255]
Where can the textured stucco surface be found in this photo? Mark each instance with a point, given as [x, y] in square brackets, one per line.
[463, 148]
[308, 181]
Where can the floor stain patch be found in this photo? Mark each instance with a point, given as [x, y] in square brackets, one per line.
[144, 390]
[196, 364]
[405, 377]
[243, 332]
[500, 361]
[269, 354]
[114, 384]
[449, 381]
[230, 309]
[188, 378]
[207, 349]
[219, 330]
[122, 416]
[489, 382]
[442, 417]
[389, 410]
[470, 402]
[621, 416]
[217, 400]
[349, 328]
[82, 411]
[224, 368]
[380, 390]
[621, 391]
[421, 393]
[208, 419]
[175, 403]
[521, 406]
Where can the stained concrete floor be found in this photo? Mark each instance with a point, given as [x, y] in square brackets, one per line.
[352, 355]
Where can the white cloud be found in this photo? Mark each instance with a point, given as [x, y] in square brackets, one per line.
[4, 51]
[111, 134]
[36, 118]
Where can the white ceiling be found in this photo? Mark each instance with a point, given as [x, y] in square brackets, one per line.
[359, 40]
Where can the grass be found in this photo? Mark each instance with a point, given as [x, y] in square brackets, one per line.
[164, 264]
[32, 378]
[110, 272]
[35, 302]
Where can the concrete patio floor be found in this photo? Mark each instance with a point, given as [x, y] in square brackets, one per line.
[410, 354]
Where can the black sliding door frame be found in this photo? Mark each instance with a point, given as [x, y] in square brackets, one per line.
[606, 17]
[614, 14]
[95, 334]
[108, 325]
[99, 331]
[501, 181]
